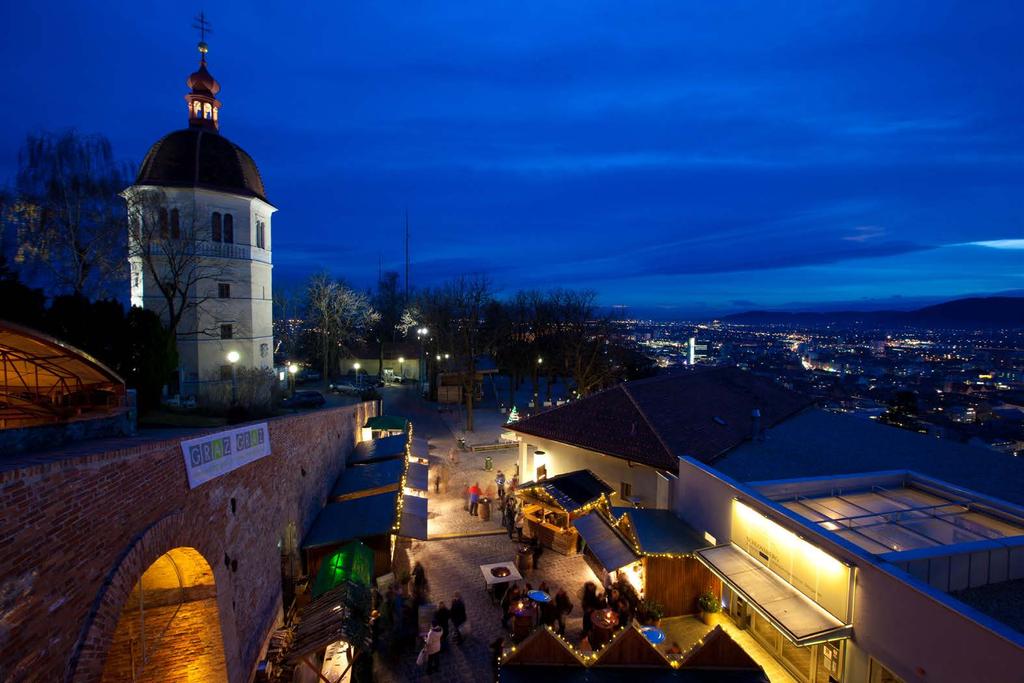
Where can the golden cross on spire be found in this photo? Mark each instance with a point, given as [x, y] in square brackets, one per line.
[203, 26]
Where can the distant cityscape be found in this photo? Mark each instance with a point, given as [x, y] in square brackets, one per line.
[965, 385]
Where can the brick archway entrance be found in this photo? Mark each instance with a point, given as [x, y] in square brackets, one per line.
[169, 627]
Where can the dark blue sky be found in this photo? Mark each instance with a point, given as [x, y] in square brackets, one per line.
[688, 156]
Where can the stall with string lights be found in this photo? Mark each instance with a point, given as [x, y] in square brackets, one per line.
[551, 505]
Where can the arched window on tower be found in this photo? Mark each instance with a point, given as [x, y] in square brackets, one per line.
[175, 224]
[163, 223]
[215, 225]
[207, 111]
[215, 113]
[198, 109]
[229, 228]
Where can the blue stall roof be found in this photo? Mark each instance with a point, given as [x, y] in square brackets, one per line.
[660, 531]
[375, 450]
[572, 490]
[610, 549]
[367, 477]
[414, 518]
[417, 477]
[353, 519]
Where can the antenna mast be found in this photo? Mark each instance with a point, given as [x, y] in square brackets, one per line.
[407, 256]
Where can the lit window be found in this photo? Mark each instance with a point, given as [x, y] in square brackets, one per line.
[207, 111]
[215, 225]
[226, 331]
[229, 228]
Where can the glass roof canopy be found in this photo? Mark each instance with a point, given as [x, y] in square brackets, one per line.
[894, 519]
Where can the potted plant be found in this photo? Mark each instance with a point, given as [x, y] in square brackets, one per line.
[650, 613]
[710, 607]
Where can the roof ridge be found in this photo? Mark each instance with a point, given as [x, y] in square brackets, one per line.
[647, 421]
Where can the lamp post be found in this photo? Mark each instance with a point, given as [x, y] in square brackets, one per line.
[536, 379]
[356, 366]
[421, 334]
[401, 365]
[292, 369]
[233, 359]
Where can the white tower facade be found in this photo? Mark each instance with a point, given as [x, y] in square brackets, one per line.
[200, 244]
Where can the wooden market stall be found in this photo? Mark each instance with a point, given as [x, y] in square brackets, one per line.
[551, 505]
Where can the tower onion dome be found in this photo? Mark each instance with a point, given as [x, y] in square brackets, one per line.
[198, 157]
[202, 81]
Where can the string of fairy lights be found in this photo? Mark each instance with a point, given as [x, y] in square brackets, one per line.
[592, 657]
[397, 526]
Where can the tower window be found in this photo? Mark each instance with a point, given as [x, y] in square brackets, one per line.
[226, 331]
[229, 228]
[198, 108]
[175, 224]
[216, 227]
[207, 111]
[163, 223]
[261, 237]
[223, 290]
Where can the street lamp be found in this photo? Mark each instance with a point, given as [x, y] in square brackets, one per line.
[401, 365]
[421, 334]
[233, 359]
[292, 369]
[356, 366]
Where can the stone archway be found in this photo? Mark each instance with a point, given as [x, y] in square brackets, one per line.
[169, 627]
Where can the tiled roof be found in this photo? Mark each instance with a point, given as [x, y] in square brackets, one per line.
[701, 413]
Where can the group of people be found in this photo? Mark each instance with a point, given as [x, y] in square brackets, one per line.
[591, 600]
[505, 487]
[445, 620]
[551, 613]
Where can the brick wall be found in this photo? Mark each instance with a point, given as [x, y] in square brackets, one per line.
[77, 533]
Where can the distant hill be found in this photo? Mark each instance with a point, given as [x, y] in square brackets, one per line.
[977, 312]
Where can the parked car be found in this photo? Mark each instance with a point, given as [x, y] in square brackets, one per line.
[305, 399]
[343, 388]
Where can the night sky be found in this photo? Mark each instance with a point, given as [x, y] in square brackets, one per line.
[679, 157]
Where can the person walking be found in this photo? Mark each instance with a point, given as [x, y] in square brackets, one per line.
[442, 616]
[510, 515]
[458, 616]
[432, 647]
[520, 520]
[474, 498]
[564, 607]
[500, 481]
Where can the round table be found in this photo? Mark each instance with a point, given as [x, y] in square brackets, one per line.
[654, 635]
[524, 614]
[603, 624]
[539, 596]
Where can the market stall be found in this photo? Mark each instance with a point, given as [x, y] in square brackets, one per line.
[551, 505]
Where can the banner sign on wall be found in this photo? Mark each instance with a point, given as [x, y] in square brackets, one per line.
[212, 455]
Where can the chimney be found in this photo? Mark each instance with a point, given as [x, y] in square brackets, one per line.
[755, 431]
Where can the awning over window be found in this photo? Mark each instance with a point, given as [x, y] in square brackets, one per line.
[799, 618]
[416, 478]
[608, 547]
[414, 518]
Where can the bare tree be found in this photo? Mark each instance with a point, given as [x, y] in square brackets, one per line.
[455, 312]
[583, 341]
[165, 248]
[338, 315]
[68, 219]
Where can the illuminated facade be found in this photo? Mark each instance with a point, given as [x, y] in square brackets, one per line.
[862, 578]
[200, 246]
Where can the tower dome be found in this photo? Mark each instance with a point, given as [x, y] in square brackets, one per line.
[203, 105]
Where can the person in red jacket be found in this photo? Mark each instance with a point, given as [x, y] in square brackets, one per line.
[474, 498]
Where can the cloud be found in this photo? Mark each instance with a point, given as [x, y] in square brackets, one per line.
[864, 233]
[995, 244]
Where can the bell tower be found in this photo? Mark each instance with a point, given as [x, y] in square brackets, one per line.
[203, 105]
